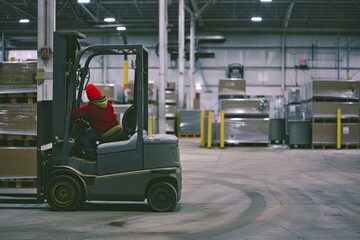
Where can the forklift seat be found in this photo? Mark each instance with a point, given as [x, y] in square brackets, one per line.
[119, 146]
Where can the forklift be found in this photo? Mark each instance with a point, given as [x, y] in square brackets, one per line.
[141, 167]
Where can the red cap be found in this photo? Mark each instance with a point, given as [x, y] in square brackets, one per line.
[92, 92]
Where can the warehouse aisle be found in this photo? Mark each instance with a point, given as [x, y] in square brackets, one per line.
[234, 193]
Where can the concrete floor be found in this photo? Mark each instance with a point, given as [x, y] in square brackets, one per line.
[235, 193]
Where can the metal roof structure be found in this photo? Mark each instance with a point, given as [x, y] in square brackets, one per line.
[220, 16]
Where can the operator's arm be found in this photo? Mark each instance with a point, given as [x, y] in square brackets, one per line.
[82, 112]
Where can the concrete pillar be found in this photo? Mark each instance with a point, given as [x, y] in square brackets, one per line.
[192, 64]
[181, 61]
[45, 37]
[338, 60]
[162, 63]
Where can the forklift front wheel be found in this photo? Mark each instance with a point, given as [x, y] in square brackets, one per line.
[161, 197]
[63, 193]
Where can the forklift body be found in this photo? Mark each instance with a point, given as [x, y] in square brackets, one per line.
[142, 167]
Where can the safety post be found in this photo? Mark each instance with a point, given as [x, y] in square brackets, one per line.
[209, 129]
[222, 123]
[125, 74]
[338, 128]
[178, 122]
[202, 128]
[150, 125]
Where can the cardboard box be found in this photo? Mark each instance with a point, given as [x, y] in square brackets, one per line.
[107, 90]
[241, 107]
[329, 109]
[170, 125]
[151, 92]
[326, 133]
[171, 85]
[170, 110]
[18, 118]
[246, 130]
[232, 86]
[18, 161]
[170, 96]
[30, 66]
[17, 78]
[344, 89]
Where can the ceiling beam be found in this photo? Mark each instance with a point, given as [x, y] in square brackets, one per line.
[90, 13]
[18, 9]
[288, 15]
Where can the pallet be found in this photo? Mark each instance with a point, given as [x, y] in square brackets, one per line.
[18, 182]
[330, 99]
[275, 142]
[334, 146]
[189, 135]
[334, 120]
[241, 144]
[18, 98]
[299, 146]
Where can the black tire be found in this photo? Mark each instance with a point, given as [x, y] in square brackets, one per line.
[162, 197]
[63, 193]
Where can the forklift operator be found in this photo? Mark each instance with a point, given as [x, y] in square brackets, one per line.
[102, 119]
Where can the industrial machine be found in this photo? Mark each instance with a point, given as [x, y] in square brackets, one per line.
[142, 167]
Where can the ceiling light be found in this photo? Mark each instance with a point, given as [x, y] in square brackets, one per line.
[24, 20]
[265, 0]
[83, 1]
[121, 28]
[256, 19]
[110, 19]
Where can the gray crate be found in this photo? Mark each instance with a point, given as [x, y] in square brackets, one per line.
[299, 132]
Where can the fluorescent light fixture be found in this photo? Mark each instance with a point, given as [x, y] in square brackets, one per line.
[256, 19]
[83, 1]
[121, 28]
[265, 0]
[110, 19]
[24, 20]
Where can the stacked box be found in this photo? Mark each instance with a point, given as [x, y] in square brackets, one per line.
[232, 87]
[18, 161]
[151, 92]
[170, 108]
[107, 90]
[245, 107]
[324, 98]
[18, 119]
[336, 89]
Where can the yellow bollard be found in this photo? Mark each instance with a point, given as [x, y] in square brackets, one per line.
[209, 129]
[338, 128]
[150, 125]
[202, 128]
[222, 123]
[125, 74]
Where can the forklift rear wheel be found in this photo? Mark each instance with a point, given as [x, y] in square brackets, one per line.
[63, 193]
[161, 197]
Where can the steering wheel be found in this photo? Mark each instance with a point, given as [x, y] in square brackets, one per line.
[79, 127]
[129, 121]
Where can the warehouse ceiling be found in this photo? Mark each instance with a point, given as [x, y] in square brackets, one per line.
[220, 16]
